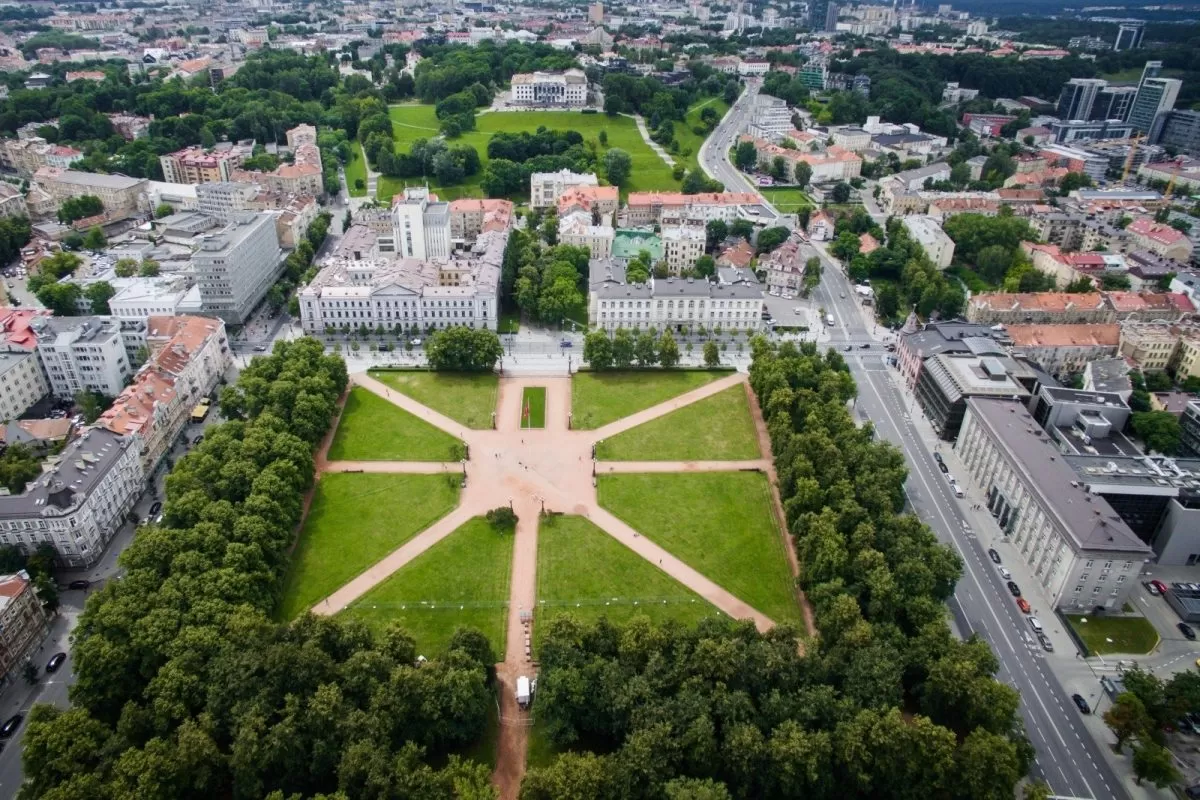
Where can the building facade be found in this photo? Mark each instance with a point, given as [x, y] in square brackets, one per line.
[926, 232]
[82, 353]
[23, 623]
[421, 224]
[236, 266]
[568, 88]
[682, 245]
[545, 187]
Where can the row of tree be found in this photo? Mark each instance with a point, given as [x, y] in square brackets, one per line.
[185, 686]
[627, 348]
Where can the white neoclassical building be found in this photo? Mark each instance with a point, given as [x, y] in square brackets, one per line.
[567, 88]
[670, 302]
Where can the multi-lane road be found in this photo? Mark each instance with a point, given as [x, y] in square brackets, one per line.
[714, 152]
[1068, 758]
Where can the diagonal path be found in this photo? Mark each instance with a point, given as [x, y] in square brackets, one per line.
[666, 407]
[409, 467]
[426, 413]
[615, 467]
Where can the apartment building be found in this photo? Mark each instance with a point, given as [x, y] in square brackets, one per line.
[576, 229]
[22, 382]
[1160, 239]
[188, 357]
[647, 208]
[568, 88]
[302, 134]
[118, 193]
[786, 264]
[78, 502]
[421, 224]
[26, 156]
[222, 199]
[1039, 308]
[770, 118]
[600, 201]
[197, 165]
[545, 187]
[12, 202]
[1079, 549]
[304, 176]
[81, 353]
[353, 292]
[23, 623]
[236, 266]
[470, 217]
[1064, 350]
[674, 303]
[682, 245]
[831, 164]
[926, 232]
[1174, 347]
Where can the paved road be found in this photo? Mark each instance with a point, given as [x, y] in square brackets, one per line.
[1068, 758]
[713, 152]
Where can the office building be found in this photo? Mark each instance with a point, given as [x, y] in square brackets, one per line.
[1078, 548]
[946, 381]
[118, 193]
[1113, 102]
[80, 500]
[568, 88]
[822, 15]
[1154, 96]
[23, 624]
[421, 224]
[647, 208]
[355, 289]
[1077, 97]
[1082, 130]
[221, 200]
[1189, 430]
[770, 118]
[675, 303]
[81, 353]
[1129, 35]
[236, 266]
[1178, 128]
[926, 232]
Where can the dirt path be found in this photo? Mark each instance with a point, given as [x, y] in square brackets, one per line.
[411, 467]
[426, 413]
[666, 407]
[613, 467]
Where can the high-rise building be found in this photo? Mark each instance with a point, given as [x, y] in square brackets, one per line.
[236, 266]
[596, 13]
[1077, 97]
[421, 224]
[1113, 102]
[822, 15]
[1178, 128]
[1129, 35]
[1154, 96]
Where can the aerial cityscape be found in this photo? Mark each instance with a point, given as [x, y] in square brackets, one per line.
[536, 400]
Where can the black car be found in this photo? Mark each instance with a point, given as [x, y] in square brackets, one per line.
[155, 507]
[80, 584]
[198, 439]
[1016, 590]
[942, 466]
[10, 725]
[993, 555]
[848, 348]
[937, 456]
[55, 662]
[1083, 704]
[865, 346]
[1187, 631]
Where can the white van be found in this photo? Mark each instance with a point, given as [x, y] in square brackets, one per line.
[1004, 573]
[1036, 624]
[958, 491]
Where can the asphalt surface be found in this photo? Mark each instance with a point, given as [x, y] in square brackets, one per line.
[713, 152]
[1068, 758]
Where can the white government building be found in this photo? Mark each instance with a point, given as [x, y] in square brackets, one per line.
[568, 88]
[670, 302]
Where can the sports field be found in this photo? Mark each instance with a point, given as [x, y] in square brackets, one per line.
[787, 199]
[412, 121]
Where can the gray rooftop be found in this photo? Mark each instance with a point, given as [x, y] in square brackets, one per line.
[1065, 395]
[117, 182]
[1088, 519]
[1136, 473]
[69, 478]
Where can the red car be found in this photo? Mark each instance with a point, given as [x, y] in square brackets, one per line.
[1023, 604]
[1162, 587]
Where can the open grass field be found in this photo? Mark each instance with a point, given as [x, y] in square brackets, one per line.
[468, 397]
[1134, 74]
[412, 121]
[717, 428]
[462, 581]
[533, 407]
[355, 520]
[356, 170]
[787, 199]
[583, 571]
[687, 139]
[719, 523]
[598, 398]
[373, 429]
[1129, 635]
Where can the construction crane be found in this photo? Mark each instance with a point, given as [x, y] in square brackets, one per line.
[1133, 146]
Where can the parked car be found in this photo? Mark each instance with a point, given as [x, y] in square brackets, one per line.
[1016, 590]
[942, 466]
[80, 584]
[198, 439]
[1162, 587]
[260, 348]
[993, 555]
[937, 456]
[1046, 645]
[155, 507]
[848, 348]
[10, 725]
[1192, 791]
[415, 342]
[55, 662]
[1083, 704]
[568, 343]
[1151, 588]
[1187, 631]
[1023, 604]
[1004, 573]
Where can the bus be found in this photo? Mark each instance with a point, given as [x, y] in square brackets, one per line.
[200, 412]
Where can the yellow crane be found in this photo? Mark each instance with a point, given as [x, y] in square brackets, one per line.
[1133, 146]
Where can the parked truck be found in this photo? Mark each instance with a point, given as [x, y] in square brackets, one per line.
[523, 695]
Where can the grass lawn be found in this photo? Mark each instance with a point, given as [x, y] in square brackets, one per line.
[355, 520]
[583, 571]
[1134, 74]
[468, 397]
[598, 398]
[356, 169]
[787, 199]
[510, 322]
[1130, 635]
[462, 581]
[687, 139]
[372, 429]
[717, 428]
[720, 523]
[412, 121]
[533, 401]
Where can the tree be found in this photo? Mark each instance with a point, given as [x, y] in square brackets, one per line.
[993, 262]
[61, 298]
[1081, 285]
[705, 267]
[550, 229]
[81, 207]
[771, 238]
[712, 354]
[745, 157]
[779, 168]
[1072, 181]
[598, 350]
[503, 519]
[840, 193]
[646, 349]
[125, 267]
[618, 164]
[460, 348]
[163, 210]
[623, 348]
[1115, 282]
[1154, 763]
[1158, 429]
[91, 405]
[715, 231]
[845, 246]
[1128, 719]
[149, 268]
[95, 239]
[668, 350]
[602, 137]
[98, 294]
[802, 173]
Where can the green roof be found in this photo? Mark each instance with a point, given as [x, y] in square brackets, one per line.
[627, 243]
